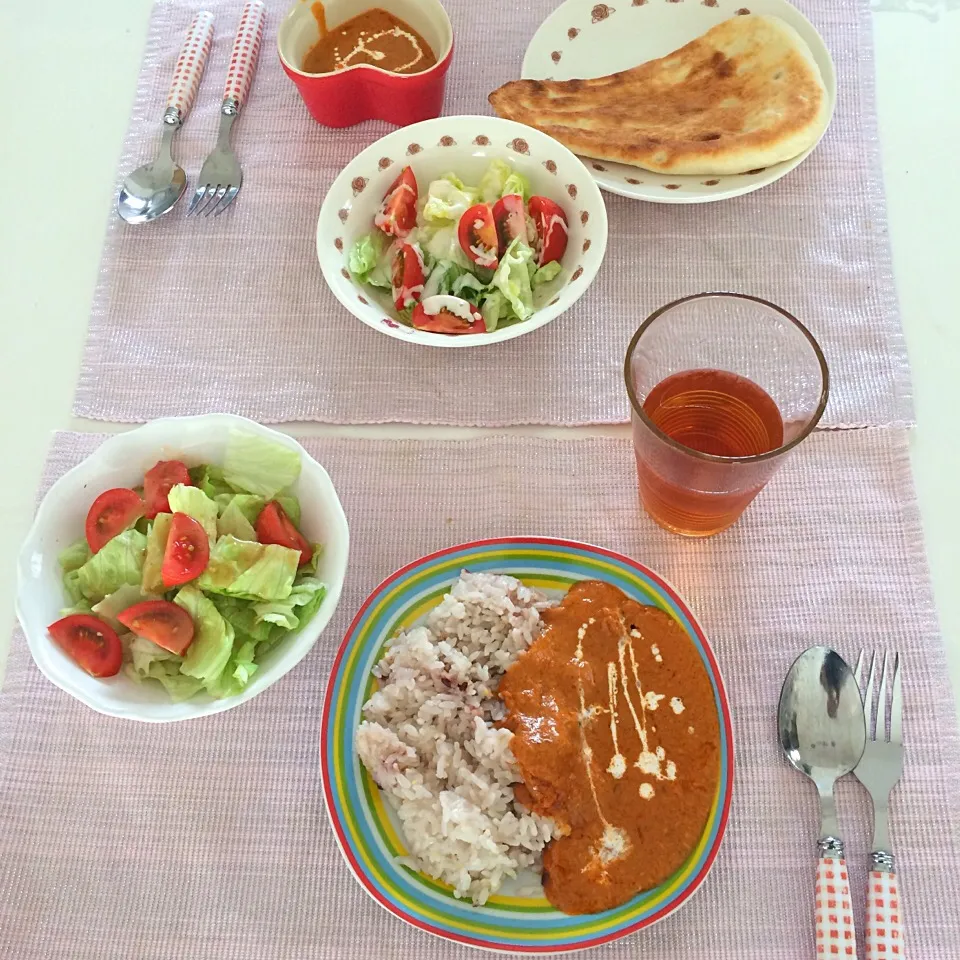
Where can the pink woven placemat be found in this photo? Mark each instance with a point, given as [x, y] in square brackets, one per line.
[232, 313]
[208, 840]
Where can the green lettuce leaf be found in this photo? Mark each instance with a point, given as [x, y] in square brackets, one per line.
[517, 183]
[233, 521]
[212, 643]
[75, 556]
[210, 480]
[117, 602]
[494, 306]
[366, 259]
[240, 614]
[493, 180]
[252, 464]
[144, 652]
[150, 662]
[291, 507]
[156, 545]
[546, 273]
[442, 243]
[448, 199]
[195, 503]
[304, 601]
[237, 673]
[118, 562]
[512, 278]
[259, 571]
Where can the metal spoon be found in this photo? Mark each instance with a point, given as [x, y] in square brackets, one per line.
[822, 733]
[153, 189]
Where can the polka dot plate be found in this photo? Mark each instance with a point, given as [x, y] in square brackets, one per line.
[582, 38]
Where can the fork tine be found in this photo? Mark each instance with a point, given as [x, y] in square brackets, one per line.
[210, 202]
[868, 700]
[217, 197]
[227, 200]
[858, 673]
[882, 700]
[197, 197]
[896, 705]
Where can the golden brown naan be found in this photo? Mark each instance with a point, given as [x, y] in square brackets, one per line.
[746, 94]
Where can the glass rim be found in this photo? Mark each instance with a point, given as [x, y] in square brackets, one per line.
[711, 457]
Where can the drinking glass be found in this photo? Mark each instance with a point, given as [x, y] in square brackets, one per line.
[745, 383]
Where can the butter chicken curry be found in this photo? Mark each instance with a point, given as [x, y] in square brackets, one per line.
[617, 738]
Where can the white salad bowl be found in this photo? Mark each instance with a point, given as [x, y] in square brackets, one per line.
[122, 461]
[464, 146]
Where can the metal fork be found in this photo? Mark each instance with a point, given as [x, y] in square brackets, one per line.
[221, 177]
[879, 771]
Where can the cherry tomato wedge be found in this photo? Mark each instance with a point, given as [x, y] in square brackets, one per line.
[511, 220]
[397, 215]
[408, 276]
[477, 234]
[158, 482]
[274, 526]
[161, 621]
[445, 314]
[111, 513]
[92, 644]
[551, 223]
[187, 552]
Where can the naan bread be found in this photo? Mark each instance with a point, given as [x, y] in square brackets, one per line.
[746, 94]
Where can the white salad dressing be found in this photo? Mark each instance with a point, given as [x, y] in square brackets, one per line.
[455, 305]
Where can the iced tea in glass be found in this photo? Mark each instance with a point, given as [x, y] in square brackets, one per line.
[722, 386]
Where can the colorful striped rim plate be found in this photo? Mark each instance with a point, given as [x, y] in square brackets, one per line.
[518, 918]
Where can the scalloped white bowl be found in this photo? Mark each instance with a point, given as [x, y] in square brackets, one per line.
[121, 461]
[461, 145]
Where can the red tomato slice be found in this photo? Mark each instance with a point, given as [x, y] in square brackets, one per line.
[511, 220]
[408, 276]
[446, 321]
[274, 526]
[187, 552]
[92, 644]
[477, 234]
[166, 624]
[111, 513]
[157, 483]
[397, 215]
[551, 224]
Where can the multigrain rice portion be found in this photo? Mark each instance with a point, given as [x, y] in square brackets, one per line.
[429, 741]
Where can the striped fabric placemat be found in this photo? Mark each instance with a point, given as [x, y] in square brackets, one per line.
[207, 840]
[232, 313]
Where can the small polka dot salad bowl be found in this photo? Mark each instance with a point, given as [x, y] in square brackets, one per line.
[461, 231]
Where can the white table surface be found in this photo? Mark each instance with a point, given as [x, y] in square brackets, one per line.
[68, 72]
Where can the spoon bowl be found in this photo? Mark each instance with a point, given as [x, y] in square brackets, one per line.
[151, 190]
[820, 719]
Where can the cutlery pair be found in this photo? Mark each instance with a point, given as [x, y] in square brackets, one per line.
[154, 189]
[828, 729]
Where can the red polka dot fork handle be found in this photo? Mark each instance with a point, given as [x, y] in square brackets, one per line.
[189, 68]
[883, 930]
[836, 935]
[243, 59]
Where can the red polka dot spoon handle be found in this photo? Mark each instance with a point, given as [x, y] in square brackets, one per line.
[190, 64]
[835, 932]
[879, 771]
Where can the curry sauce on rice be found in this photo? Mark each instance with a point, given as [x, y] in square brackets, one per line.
[610, 795]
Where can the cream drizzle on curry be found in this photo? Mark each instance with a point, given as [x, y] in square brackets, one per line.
[602, 747]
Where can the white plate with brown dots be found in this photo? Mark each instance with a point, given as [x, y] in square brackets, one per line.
[585, 39]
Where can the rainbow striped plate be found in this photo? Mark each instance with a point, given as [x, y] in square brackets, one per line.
[518, 918]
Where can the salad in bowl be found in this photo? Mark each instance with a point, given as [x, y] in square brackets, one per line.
[182, 568]
[461, 232]
[460, 258]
